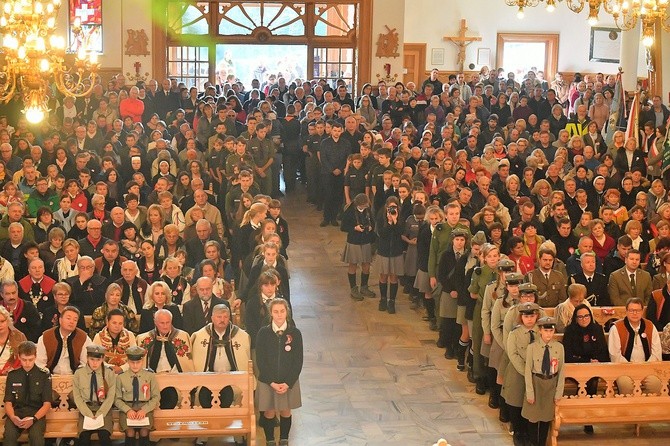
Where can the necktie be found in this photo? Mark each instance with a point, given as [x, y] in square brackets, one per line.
[589, 279]
[632, 281]
[458, 256]
[94, 387]
[206, 310]
[546, 276]
[546, 362]
[26, 397]
[136, 389]
[532, 336]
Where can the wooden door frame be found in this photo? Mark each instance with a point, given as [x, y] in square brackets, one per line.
[421, 48]
[551, 49]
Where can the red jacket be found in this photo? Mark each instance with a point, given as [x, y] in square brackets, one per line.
[133, 108]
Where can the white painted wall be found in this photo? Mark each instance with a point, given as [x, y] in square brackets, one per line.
[430, 20]
[389, 13]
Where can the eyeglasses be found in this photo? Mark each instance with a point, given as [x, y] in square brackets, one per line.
[634, 310]
[584, 316]
[87, 267]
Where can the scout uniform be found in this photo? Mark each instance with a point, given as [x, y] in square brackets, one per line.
[93, 391]
[494, 350]
[513, 389]
[135, 391]
[544, 381]
[478, 286]
[27, 391]
[512, 315]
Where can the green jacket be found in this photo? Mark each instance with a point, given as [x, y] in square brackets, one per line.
[37, 200]
[439, 243]
[28, 233]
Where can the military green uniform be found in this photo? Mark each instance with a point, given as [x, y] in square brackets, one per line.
[263, 150]
[27, 392]
[94, 397]
[478, 286]
[236, 160]
[514, 387]
[146, 398]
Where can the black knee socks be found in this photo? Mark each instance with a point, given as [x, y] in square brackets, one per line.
[393, 291]
[382, 290]
[268, 426]
[430, 308]
[284, 427]
[364, 279]
[352, 280]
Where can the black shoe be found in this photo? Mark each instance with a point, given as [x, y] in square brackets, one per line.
[334, 223]
[382, 304]
[493, 402]
[588, 429]
[432, 324]
[319, 207]
[480, 389]
[441, 343]
[323, 224]
[503, 417]
[413, 303]
[449, 353]
[391, 306]
[471, 377]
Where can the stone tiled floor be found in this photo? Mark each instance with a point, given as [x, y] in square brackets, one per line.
[376, 379]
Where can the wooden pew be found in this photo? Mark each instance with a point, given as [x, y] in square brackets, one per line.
[183, 421]
[600, 314]
[611, 407]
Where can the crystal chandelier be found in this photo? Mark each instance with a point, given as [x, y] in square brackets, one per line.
[34, 57]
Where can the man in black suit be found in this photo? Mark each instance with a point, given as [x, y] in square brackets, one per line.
[595, 282]
[195, 247]
[88, 289]
[165, 101]
[582, 204]
[198, 312]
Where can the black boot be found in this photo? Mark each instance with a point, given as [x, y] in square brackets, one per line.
[493, 387]
[504, 413]
[469, 361]
[480, 386]
[129, 441]
[390, 307]
[442, 339]
[382, 304]
[460, 355]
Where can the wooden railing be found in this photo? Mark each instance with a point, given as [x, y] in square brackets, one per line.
[608, 406]
[188, 419]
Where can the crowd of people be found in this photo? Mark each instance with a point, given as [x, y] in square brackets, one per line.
[142, 235]
[153, 212]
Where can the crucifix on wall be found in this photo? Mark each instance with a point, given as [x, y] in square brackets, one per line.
[462, 41]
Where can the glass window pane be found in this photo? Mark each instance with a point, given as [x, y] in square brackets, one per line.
[188, 19]
[280, 20]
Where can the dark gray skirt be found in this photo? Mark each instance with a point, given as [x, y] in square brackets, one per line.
[268, 399]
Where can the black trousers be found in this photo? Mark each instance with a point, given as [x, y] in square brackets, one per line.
[332, 188]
